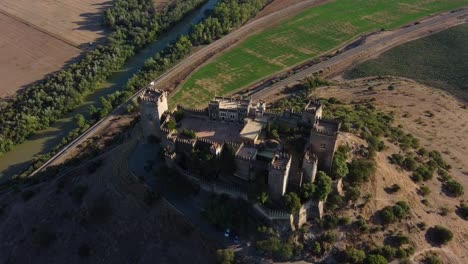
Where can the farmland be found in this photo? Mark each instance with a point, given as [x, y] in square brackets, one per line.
[21, 61]
[75, 22]
[41, 37]
[439, 60]
[309, 34]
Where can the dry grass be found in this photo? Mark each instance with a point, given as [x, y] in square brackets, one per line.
[27, 55]
[77, 22]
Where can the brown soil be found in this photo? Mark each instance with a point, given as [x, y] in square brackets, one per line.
[445, 131]
[111, 219]
[27, 55]
[75, 22]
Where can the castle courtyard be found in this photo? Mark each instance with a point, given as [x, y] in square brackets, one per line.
[213, 130]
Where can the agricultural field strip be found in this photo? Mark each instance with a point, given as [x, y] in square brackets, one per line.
[75, 22]
[49, 33]
[257, 95]
[290, 43]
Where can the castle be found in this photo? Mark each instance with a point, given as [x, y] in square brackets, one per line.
[241, 126]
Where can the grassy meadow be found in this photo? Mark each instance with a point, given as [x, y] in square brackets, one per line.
[301, 38]
[440, 60]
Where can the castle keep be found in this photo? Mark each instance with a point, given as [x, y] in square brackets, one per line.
[240, 128]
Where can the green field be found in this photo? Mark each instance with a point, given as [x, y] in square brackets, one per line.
[440, 60]
[301, 38]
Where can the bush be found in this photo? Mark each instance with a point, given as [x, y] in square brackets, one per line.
[225, 256]
[410, 164]
[360, 170]
[355, 256]
[440, 235]
[361, 225]
[316, 248]
[353, 194]
[453, 188]
[376, 259]
[432, 259]
[386, 215]
[463, 211]
[422, 173]
[424, 191]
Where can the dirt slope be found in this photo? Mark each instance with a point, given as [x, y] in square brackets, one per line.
[445, 131]
[111, 223]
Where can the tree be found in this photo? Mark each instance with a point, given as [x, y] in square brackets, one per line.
[339, 167]
[355, 256]
[292, 202]
[440, 235]
[376, 259]
[307, 191]
[386, 215]
[225, 256]
[80, 121]
[360, 171]
[171, 125]
[323, 186]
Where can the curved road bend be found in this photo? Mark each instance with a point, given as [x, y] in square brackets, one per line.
[183, 69]
[237, 35]
[372, 48]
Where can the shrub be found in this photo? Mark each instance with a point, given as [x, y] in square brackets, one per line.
[355, 256]
[424, 190]
[376, 259]
[394, 188]
[400, 239]
[391, 88]
[422, 173]
[440, 235]
[360, 170]
[388, 252]
[463, 211]
[432, 259]
[225, 256]
[397, 159]
[453, 188]
[444, 211]
[316, 248]
[410, 164]
[386, 215]
[361, 225]
[353, 194]
[330, 237]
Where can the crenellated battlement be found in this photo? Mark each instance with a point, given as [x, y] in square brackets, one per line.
[280, 161]
[152, 95]
[185, 141]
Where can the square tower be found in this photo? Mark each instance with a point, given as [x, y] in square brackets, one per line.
[153, 104]
[312, 112]
[278, 173]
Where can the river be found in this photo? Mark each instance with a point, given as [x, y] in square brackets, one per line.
[42, 142]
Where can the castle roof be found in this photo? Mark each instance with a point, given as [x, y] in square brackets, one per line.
[152, 95]
[280, 161]
[230, 103]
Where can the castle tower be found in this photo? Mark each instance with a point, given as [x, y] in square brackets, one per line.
[153, 104]
[322, 142]
[278, 173]
[309, 167]
[312, 112]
